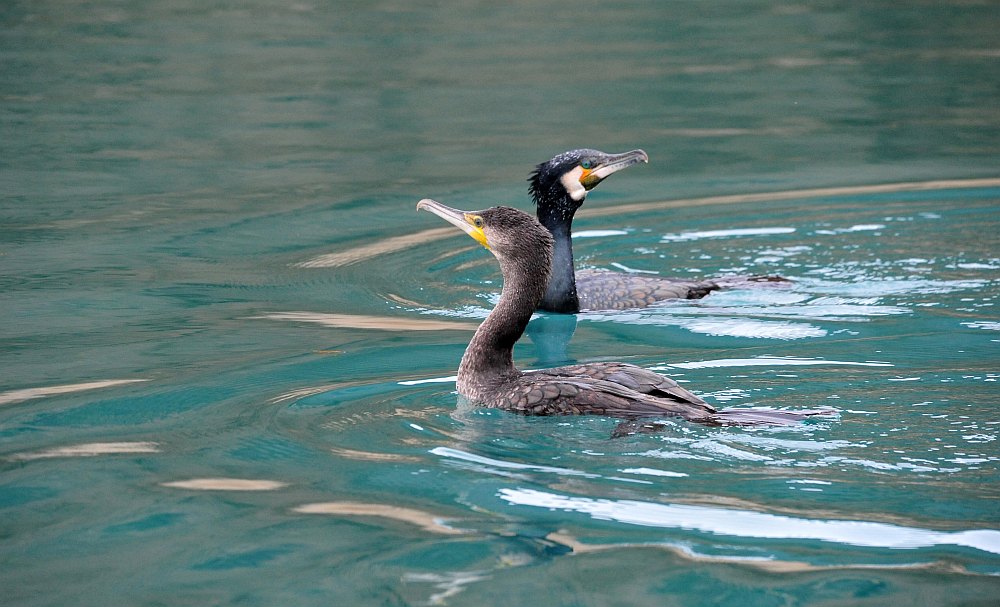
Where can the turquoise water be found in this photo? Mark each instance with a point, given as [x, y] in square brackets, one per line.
[227, 337]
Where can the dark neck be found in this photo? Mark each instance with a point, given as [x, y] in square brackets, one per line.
[560, 296]
[488, 361]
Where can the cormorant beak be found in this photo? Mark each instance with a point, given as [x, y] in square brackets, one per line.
[460, 219]
[611, 164]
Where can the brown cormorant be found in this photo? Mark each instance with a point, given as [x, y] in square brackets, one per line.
[487, 376]
[559, 188]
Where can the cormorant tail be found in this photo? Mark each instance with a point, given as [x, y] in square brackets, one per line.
[767, 417]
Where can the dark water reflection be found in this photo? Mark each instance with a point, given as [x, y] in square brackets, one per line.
[227, 338]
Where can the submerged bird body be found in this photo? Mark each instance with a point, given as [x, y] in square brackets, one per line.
[487, 375]
[559, 188]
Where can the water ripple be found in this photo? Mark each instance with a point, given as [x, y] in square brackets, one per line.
[864, 285]
[226, 484]
[367, 321]
[765, 361]
[479, 459]
[720, 326]
[740, 523]
[419, 518]
[725, 233]
[90, 450]
[15, 396]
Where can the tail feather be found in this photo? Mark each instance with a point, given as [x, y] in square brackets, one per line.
[753, 281]
[767, 417]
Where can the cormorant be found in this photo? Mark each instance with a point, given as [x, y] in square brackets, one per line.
[558, 188]
[487, 376]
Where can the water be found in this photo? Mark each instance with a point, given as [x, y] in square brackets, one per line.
[227, 337]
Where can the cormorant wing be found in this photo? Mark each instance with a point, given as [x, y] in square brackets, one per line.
[603, 290]
[632, 377]
[614, 389]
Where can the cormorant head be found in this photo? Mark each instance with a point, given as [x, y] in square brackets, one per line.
[561, 184]
[510, 234]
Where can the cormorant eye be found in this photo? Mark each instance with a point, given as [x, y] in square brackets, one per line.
[586, 164]
[478, 222]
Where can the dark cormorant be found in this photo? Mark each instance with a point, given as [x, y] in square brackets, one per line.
[487, 375]
[559, 188]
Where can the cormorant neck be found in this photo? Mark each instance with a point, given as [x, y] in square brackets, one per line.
[489, 361]
[560, 294]
[557, 217]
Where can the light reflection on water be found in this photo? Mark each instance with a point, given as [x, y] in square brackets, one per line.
[754, 524]
[767, 361]
[726, 233]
